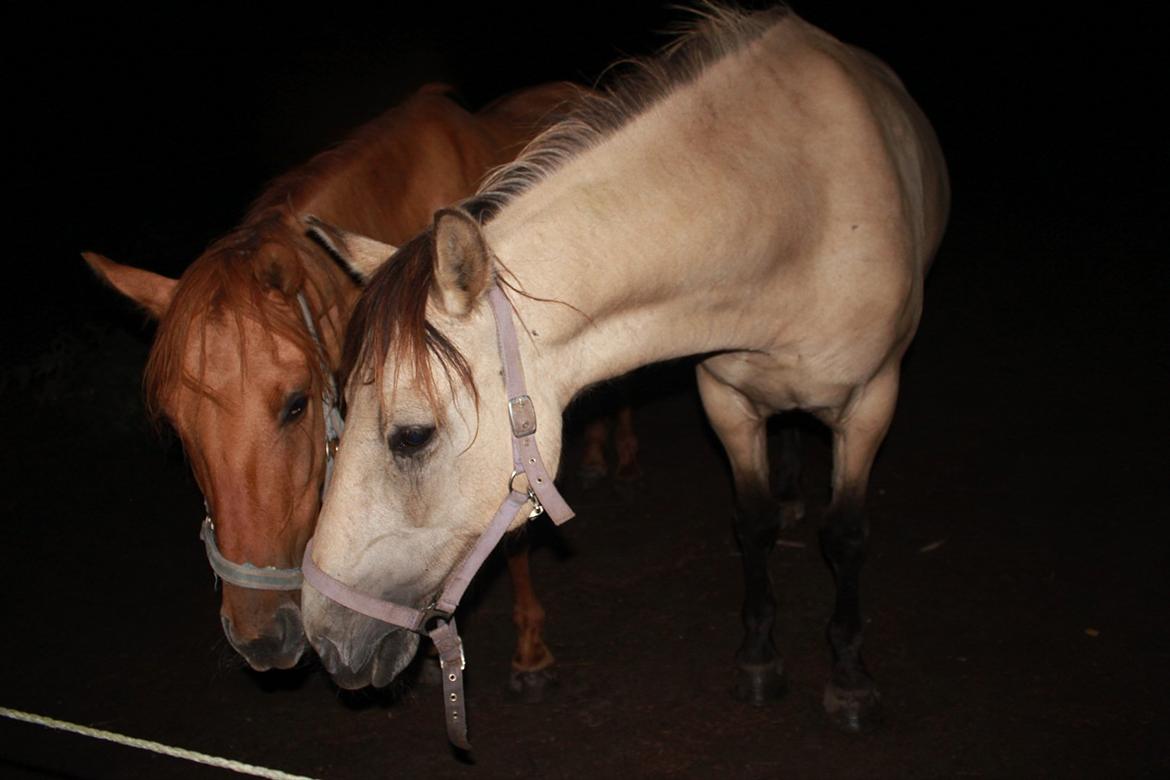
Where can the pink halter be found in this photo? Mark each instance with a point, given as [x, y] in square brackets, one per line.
[436, 620]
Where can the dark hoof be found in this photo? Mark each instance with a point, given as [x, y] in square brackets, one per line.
[853, 711]
[590, 475]
[531, 687]
[791, 513]
[759, 684]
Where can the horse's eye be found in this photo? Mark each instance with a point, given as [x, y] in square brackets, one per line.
[294, 408]
[411, 439]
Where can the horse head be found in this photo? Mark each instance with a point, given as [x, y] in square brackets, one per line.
[238, 375]
[424, 463]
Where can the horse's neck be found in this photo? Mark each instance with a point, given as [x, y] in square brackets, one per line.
[396, 171]
[385, 182]
[615, 233]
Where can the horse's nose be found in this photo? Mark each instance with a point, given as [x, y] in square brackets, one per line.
[279, 649]
[350, 665]
[329, 654]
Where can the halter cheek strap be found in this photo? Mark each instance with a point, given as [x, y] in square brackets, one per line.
[247, 575]
[330, 398]
[436, 620]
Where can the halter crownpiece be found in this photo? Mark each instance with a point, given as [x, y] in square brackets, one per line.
[436, 620]
[247, 575]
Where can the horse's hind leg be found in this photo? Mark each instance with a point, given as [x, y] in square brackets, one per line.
[788, 475]
[741, 428]
[532, 670]
[851, 698]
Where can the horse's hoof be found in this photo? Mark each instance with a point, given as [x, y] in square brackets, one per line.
[590, 475]
[791, 513]
[531, 687]
[854, 711]
[759, 684]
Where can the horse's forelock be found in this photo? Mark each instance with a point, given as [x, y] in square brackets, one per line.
[389, 324]
[233, 280]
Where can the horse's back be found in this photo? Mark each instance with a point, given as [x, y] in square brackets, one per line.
[429, 152]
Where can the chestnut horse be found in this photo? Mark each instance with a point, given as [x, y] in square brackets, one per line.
[250, 335]
[763, 196]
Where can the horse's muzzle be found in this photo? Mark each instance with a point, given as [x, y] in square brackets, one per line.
[369, 652]
[280, 648]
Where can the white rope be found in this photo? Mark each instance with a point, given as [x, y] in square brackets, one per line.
[154, 747]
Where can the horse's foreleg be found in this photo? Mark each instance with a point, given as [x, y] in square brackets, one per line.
[625, 441]
[593, 469]
[741, 428]
[851, 698]
[532, 664]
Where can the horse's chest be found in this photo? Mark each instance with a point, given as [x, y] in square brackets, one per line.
[780, 381]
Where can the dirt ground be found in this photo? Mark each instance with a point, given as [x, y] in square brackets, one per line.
[1017, 583]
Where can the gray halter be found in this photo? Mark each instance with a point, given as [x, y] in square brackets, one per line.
[247, 575]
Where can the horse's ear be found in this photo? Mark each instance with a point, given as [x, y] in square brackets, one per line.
[149, 290]
[361, 255]
[462, 261]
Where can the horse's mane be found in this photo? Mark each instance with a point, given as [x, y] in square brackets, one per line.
[389, 321]
[232, 278]
[244, 275]
[715, 32]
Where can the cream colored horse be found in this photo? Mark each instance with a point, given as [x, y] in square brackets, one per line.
[762, 195]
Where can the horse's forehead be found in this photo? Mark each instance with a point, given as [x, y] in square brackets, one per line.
[231, 356]
[227, 342]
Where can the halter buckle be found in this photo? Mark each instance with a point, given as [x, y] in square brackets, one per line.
[462, 659]
[522, 415]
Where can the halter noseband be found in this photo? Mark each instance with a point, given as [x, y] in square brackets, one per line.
[435, 620]
[247, 575]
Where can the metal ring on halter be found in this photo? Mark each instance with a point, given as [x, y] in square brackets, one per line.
[537, 508]
[428, 615]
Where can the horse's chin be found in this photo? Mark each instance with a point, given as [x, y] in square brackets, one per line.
[392, 657]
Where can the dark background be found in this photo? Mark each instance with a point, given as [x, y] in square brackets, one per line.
[145, 135]
[1030, 434]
